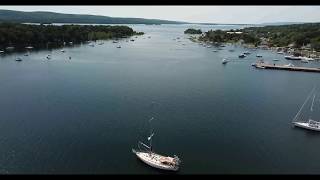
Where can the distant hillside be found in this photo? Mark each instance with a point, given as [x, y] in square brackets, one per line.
[51, 17]
[281, 23]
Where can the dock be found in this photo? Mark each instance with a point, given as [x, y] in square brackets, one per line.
[288, 68]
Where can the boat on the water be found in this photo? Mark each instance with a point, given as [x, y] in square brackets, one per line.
[293, 57]
[258, 55]
[9, 48]
[307, 59]
[118, 46]
[310, 123]
[280, 52]
[247, 53]
[225, 61]
[148, 156]
[242, 56]
[62, 50]
[289, 65]
[18, 59]
[275, 59]
[29, 47]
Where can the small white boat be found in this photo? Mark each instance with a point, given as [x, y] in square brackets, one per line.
[155, 160]
[26, 54]
[275, 59]
[247, 53]
[260, 67]
[242, 56]
[1, 51]
[29, 47]
[18, 59]
[118, 46]
[10, 48]
[258, 55]
[289, 65]
[114, 41]
[280, 52]
[307, 59]
[62, 50]
[224, 61]
[209, 46]
[292, 57]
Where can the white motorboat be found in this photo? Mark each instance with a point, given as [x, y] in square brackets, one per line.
[258, 55]
[293, 57]
[118, 46]
[289, 65]
[18, 59]
[242, 56]
[280, 52]
[155, 160]
[224, 61]
[62, 50]
[307, 59]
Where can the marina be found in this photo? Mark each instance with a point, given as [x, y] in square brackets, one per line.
[98, 102]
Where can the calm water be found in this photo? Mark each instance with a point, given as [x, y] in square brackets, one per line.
[83, 116]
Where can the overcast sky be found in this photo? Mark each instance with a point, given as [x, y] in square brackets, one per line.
[197, 14]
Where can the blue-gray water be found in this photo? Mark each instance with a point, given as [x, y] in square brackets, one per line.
[83, 116]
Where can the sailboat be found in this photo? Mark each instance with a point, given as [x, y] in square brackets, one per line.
[310, 124]
[155, 160]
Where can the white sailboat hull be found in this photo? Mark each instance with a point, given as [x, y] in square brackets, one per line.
[305, 126]
[153, 161]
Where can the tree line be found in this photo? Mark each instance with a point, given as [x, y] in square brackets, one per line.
[22, 35]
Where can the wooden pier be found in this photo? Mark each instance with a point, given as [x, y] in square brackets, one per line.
[288, 68]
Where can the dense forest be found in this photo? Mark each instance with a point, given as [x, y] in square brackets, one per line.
[51, 17]
[22, 35]
[219, 36]
[193, 31]
[296, 35]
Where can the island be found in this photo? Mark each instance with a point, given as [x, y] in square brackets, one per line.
[20, 36]
[193, 31]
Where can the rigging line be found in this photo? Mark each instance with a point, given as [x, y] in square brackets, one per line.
[311, 109]
[303, 105]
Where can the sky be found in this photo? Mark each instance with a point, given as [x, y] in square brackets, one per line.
[193, 14]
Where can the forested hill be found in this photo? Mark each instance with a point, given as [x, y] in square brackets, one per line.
[51, 17]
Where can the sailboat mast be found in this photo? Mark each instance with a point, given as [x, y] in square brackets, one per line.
[303, 105]
[311, 109]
